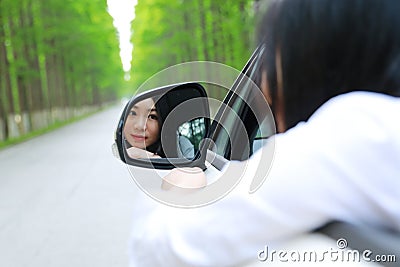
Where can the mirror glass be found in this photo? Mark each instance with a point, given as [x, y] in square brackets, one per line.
[142, 129]
[191, 133]
[167, 125]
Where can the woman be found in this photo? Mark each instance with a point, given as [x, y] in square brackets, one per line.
[331, 74]
[321, 49]
[142, 130]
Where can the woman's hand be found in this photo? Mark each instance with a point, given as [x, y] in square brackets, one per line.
[138, 153]
[185, 178]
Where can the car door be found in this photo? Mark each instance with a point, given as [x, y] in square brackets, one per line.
[244, 121]
[236, 122]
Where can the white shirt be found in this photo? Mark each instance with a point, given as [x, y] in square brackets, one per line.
[342, 164]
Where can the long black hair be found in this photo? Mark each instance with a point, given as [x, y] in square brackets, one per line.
[164, 104]
[156, 147]
[330, 47]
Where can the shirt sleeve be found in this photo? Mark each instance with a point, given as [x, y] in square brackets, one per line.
[313, 179]
[232, 230]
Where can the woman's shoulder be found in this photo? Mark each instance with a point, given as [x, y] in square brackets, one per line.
[352, 135]
[359, 104]
[357, 113]
[357, 128]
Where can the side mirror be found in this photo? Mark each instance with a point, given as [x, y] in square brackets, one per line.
[165, 127]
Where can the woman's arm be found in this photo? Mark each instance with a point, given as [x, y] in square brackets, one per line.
[337, 166]
[138, 153]
[232, 230]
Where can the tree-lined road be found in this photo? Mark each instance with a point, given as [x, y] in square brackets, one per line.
[55, 57]
[64, 199]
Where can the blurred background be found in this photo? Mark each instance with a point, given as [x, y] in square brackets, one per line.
[60, 60]
[64, 199]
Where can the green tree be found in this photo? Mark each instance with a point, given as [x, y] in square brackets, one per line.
[166, 33]
[55, 57]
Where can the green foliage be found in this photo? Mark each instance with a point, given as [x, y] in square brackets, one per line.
[166, 33]
[56, 54]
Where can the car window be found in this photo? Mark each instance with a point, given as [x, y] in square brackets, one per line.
[232, 118]
[263, 132]
[222, 140]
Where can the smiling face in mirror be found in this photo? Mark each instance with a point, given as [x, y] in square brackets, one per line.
[170, 124]
[142, 126]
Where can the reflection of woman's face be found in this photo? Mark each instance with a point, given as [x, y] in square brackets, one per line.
[142, 128]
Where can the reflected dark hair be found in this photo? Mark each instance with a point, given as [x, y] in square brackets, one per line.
[156, 147]
[330, 47]
[163, 106]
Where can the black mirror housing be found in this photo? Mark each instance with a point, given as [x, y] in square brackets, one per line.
[183, 119]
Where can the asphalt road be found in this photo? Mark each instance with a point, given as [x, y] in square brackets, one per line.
[65, 200]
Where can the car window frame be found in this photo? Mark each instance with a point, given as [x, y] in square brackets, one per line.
[222, 130]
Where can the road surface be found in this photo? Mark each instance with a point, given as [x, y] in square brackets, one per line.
[65, 200]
